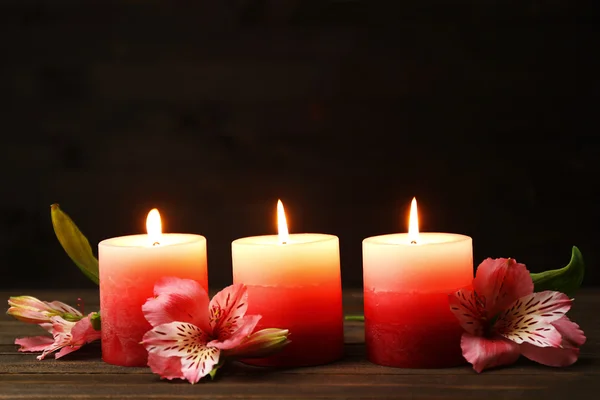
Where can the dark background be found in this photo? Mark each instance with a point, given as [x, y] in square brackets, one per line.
[212, 110]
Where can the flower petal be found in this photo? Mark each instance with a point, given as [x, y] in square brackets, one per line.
[226, 310]
[167, 367]
[201, 365]
[246, 326]
[468, 310]
[27, 315]
[60, 341]
[501, 282]
[34, 343]
[529, 319]
[67, 337]
[550, 356]
[174, 339]
[48, 327]
[572, 338]
[61, 331]
[61, 326]
[83, 332]
[63, 308]
[485, 353]
[31, 310]
[176, 299]
[186, 342]
[572, 335]
[29, 302]
[66, 350]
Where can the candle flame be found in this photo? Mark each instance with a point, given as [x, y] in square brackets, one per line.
[154, 227]
[283, 233]
[413, 223]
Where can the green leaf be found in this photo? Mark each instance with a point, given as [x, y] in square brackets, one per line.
[75, 244]
[213, 372]
[566, 280]
[95, 320]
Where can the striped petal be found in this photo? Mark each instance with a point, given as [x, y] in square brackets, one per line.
[529, 319]
[247, 325]
[226, 311]
[62, 308]
[185, 341]
[567, 354]
[468, 310]
[500, 282]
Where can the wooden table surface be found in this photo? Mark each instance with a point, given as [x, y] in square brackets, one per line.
[83, 375]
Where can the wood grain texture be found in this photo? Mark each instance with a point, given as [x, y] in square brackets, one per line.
[83, 375]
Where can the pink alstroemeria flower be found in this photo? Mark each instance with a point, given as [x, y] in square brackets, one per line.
[191, 335]
[503, 318]
[31, 310]
[67, 336]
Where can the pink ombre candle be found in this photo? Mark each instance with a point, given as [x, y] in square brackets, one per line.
[407, 279]
[129, 268]
[294, 283]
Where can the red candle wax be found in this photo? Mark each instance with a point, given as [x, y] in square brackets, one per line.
[312, 316]
[411, 330]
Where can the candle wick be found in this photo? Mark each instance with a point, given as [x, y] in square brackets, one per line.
[156, 244]
[283, 242]
[413, 242]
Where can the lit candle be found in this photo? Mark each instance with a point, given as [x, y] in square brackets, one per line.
[129, 267]
[294, 282]
[407, 279]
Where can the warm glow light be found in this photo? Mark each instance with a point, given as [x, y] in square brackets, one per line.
[154, 227]
[284, 235]
[413, 223]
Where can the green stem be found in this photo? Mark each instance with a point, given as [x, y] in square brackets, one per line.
[354, 317]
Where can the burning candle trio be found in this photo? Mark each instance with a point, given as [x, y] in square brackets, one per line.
[294, 282]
